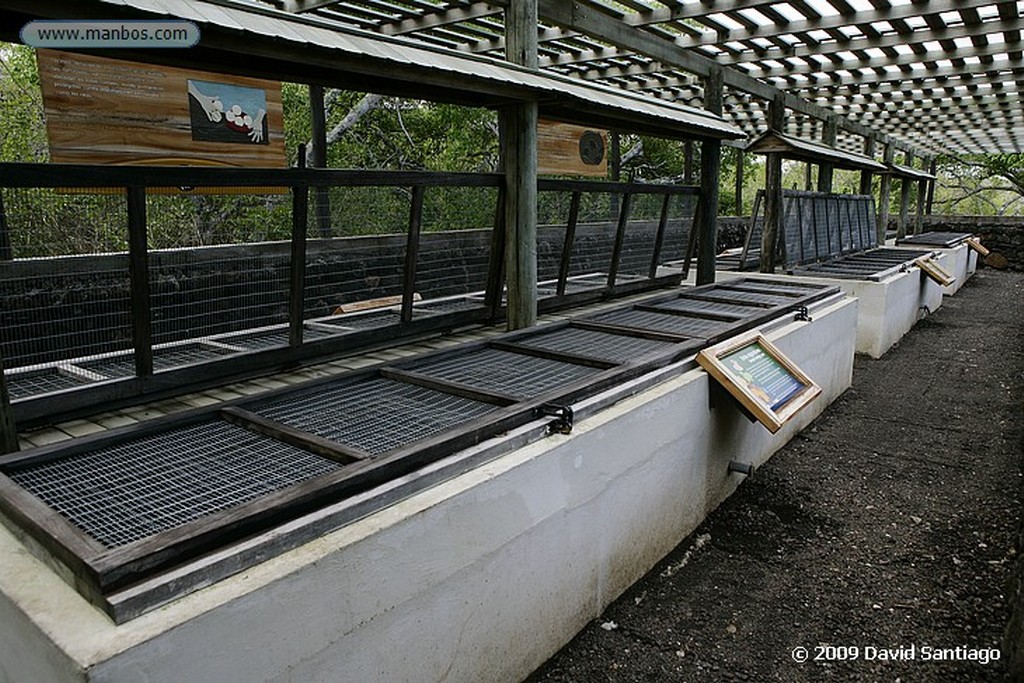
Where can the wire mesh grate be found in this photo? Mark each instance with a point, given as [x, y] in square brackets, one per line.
[165, 358]
[507, 373]
[662, 322]
[734, 295]
[447, 306]
[43, 381]
[696, 306]
[375, 414]
[366, 321]
[272, 339]
[767, 287]
[592, 344]
[133, 490]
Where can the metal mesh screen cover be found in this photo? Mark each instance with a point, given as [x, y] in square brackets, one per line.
[124, 493]
[374, 414]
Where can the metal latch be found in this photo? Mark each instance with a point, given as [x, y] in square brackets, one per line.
[802, 315]
[562, 424]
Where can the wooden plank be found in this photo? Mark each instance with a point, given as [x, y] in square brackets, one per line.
[630, 331]
[568, 149]
[496, 260]
[110, 111]
[550, 354]
[294, 437]
[297, 263]
[703, 315]
[138, 271]
[412, 252]
[447, 386]
[373, 304]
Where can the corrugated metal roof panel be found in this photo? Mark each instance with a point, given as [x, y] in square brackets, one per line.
[558, 95]
[814, 152]
[901, 171]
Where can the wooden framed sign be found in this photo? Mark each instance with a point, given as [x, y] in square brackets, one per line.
[975, 244]
[761, 378]
[932, 269]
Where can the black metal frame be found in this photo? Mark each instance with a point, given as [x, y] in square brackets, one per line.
[101, 571]
[136, 180]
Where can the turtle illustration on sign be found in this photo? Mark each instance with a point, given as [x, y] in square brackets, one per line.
[220, 112]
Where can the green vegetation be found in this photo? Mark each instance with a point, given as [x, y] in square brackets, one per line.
[374, 132]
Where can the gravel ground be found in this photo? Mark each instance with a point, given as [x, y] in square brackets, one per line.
[888, 524]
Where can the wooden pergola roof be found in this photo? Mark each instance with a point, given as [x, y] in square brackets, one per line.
[932, 76]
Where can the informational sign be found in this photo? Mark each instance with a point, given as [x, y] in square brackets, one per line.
[769, 385]
[108, 111]
[975, 244]
[932, 269]
[565, 149]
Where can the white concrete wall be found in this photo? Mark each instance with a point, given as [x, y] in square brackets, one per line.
[887, 310]
[478, 579]
[957, 261]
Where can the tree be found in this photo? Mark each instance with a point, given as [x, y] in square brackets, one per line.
[981, 184]
[21, 106]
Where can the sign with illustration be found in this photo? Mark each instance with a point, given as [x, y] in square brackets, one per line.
[221, 112]
[109, 111]
[765, 382]
[565, 149]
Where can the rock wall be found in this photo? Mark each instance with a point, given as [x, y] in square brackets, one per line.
[1004, 235]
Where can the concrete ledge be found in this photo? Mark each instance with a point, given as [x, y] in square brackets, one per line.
[887, 309]
[480, 578]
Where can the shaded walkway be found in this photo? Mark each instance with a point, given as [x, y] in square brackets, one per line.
[889, 522]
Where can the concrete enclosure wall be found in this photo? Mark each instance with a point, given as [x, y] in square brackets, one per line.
[480, 578]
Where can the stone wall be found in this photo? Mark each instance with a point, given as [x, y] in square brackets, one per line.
[1004, 235]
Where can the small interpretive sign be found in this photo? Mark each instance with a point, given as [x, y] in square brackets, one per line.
[769, 385]
[932, 269]
[975, 244]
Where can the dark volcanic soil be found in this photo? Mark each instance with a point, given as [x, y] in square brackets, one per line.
[890, 522]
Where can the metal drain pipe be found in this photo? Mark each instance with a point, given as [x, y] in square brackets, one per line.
[746, 469]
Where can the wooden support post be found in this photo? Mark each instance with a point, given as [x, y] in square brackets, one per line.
[710, 169]
[6, 250]
[740, 158]
[772, 190]
[933, 168]
[297, 265]
[808, 177]
[138, 273]
[883, 196]
[412, 251]
[8, 428]
[922, 193]
[865, 175]
[519, 163]
[319, 126]
[825, 171]
[905, 185]
[688, 162]
[615, 167]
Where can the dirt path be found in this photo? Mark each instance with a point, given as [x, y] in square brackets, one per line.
[888, 523]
